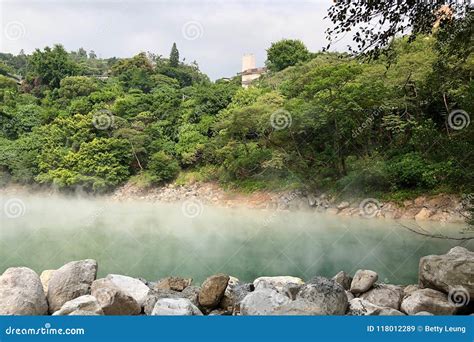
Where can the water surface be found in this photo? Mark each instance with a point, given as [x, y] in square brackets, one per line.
[152, 240]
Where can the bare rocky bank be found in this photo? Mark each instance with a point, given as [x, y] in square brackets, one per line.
[445, 287]
[442, 208]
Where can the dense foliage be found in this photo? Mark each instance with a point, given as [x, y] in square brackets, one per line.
[323, 120]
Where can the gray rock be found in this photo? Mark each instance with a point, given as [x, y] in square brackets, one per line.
[233, 296]
[83, 303]
[424, 313]
[113, 300]
[298, 307]
[71, 281]
[212, 290]
[175, 307]
[83, 313]
[363, 281]
[276, 283]
[45, 277]
[325, 294]
[21, 293]
[130, 286]
[409, 289]
[384, 295]
[262, 302]
[428, 300]
[361, 307]
[451, 270]
[343, 279]
[350, 295]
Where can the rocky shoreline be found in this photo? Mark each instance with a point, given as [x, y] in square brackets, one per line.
[441, 208]
[445, 288]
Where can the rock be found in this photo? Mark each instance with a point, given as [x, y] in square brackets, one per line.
[191, 293]
[174, 283]
[21, 293]
[361, 307]
[113, 300]
[276, 283]
[83, 303]
[262, 302]
[175, 307]
[298, 307]
[424, 313]
[350, 296]
[424, 214]
[385, 295]
[363, 281]
[343, 279]
[212, 290]
[155, 295]
[409, 289]
[448, 271]
[343, 205]
[130, 286]
[83, 313]
[328, 296]
[45, 277]
[428, 300]
[71, 281]
[233, 296]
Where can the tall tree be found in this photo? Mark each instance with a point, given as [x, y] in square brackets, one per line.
[285, 53]
[174, 56]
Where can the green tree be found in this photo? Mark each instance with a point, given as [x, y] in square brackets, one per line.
[174, 56]
[285, 53]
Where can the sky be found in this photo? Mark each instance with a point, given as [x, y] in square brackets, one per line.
[215, 33]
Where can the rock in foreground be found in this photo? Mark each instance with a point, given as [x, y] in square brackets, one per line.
[429, 300]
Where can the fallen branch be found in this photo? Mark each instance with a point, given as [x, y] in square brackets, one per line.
[436, 236]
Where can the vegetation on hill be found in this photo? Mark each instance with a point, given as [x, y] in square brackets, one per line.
[398, 124]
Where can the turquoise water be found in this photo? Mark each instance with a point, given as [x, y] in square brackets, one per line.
[157, 240]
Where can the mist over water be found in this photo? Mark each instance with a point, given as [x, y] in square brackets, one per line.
[152, 241]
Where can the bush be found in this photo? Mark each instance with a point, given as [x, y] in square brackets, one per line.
[162, 167]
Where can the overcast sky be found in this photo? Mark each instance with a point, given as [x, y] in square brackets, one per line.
[214, 33]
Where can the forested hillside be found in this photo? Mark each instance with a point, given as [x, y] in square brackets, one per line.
[397, 125]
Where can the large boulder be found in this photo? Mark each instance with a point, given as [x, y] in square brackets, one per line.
[298, 307]
[262, 302]
[361, 307]
[363, 281]
[448, 271]
[325, 294]
[343, 279]
[234, 294]
[175, 307]
[45, 277]
[21, 293]
[113, 300]
[173, 283]
[130, 286]
[212, 290]
[85, 303]
[429, 300]
[276, 283]
[385, 295]
[71, 281]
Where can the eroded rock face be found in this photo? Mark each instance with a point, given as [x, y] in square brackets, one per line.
[448, 271]
[131, 287]
[85, 303]
[385, 295]
[173, 283]
[362, 307]
[363, 281]
[343, 279]
[175, 307]
[429, 300]
[113, 300]
[21, 293]
[276, 283]
[262, 302]
[328, 296]
[71, 281]
[212, 290]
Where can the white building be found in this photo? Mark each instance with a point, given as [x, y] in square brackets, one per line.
[250, 72]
